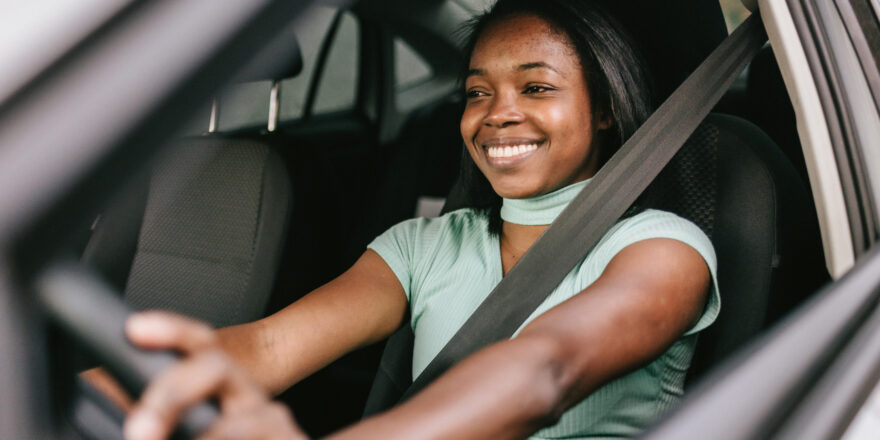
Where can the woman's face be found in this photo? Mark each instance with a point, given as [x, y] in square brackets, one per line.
[528, 124]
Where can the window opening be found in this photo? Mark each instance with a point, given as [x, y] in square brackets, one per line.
[734, 13]
[336, 76]
[410, 68]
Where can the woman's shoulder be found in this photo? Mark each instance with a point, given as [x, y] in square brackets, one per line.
[459, 225]
[458, 220]
[653, 223]
[660, 222]
[411, 245]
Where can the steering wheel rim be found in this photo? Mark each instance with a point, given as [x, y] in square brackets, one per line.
[70, 294]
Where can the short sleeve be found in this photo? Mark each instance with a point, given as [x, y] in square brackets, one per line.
[397, 247]
[660, 224]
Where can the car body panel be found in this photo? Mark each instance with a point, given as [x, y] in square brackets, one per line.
[815, 139]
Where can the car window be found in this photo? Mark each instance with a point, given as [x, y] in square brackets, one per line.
[476, 6]
[247, 105]
[337, 89]
[734, 13]
[409, 67]
[410, 71]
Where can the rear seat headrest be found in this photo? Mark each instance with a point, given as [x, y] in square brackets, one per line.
[280, 59]
[674, 37]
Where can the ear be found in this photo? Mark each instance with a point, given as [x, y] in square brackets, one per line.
[604, 122]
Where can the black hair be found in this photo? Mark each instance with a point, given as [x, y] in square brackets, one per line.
[615, 74]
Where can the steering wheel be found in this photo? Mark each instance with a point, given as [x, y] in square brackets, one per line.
[71, 295]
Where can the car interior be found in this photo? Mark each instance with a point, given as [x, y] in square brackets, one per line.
[280, 185]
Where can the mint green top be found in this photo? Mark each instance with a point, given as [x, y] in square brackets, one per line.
[448, 265]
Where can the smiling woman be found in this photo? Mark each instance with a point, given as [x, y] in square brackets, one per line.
[590, 89]
[528, 123]
[553, 89]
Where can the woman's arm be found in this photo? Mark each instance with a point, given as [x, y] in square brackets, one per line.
[649, 294]
[363, 305]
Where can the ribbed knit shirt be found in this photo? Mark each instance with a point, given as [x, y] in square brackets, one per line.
[448, 265]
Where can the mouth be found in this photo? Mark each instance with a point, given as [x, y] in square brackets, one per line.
[506, 153]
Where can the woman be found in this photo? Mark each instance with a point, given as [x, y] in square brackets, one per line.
[552, 89]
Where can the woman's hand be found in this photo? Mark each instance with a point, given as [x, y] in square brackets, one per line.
[204, 371]
[109, 387]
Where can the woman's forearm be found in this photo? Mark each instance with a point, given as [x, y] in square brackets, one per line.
[250, 346]
[361, 306]
[509, 390]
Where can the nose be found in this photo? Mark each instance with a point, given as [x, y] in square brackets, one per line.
[503, 111]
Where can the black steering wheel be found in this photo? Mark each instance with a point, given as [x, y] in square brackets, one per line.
[72, 297]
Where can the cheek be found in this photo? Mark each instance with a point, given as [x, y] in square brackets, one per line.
[565, 124]
[468, 130]
[469, 125]
[570, 130]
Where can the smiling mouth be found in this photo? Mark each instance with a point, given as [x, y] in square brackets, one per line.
[508, 153]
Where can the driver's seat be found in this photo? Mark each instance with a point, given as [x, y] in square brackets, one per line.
[737, 185]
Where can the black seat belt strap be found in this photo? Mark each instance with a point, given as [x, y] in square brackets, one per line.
[614, 188]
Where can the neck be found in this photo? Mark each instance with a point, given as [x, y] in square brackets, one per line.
[524, 220]
[540, 210]
[515, 241]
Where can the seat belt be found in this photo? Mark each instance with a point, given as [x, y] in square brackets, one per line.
[580, 226]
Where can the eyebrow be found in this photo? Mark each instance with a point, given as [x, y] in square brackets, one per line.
[520, 68]
[536, 65]
[475, 72]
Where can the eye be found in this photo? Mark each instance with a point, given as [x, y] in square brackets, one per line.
[472, 93]
[534, 89]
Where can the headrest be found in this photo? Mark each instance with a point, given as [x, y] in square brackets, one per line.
[675, 37]
[280, 59]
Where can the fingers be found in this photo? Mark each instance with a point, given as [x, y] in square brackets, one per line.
[109, 387]
[204, 372]
[267, 422]
[204, 375]
[163, 330]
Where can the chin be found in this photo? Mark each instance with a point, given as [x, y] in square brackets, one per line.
[516, 190]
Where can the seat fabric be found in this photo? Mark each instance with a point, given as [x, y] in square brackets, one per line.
[209, 240]
[735, 183]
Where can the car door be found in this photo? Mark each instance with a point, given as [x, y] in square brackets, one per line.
[808, 377]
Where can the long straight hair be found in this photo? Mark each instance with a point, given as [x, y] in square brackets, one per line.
[615, 74]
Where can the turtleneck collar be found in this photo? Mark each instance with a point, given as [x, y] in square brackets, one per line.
[540, 210]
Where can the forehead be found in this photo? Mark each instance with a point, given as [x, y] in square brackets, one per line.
[523, 39]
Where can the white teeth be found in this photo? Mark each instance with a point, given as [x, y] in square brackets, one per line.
[510, 151]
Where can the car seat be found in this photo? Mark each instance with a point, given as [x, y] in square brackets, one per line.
[203, 234]
[737, 185]
[422, 162]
